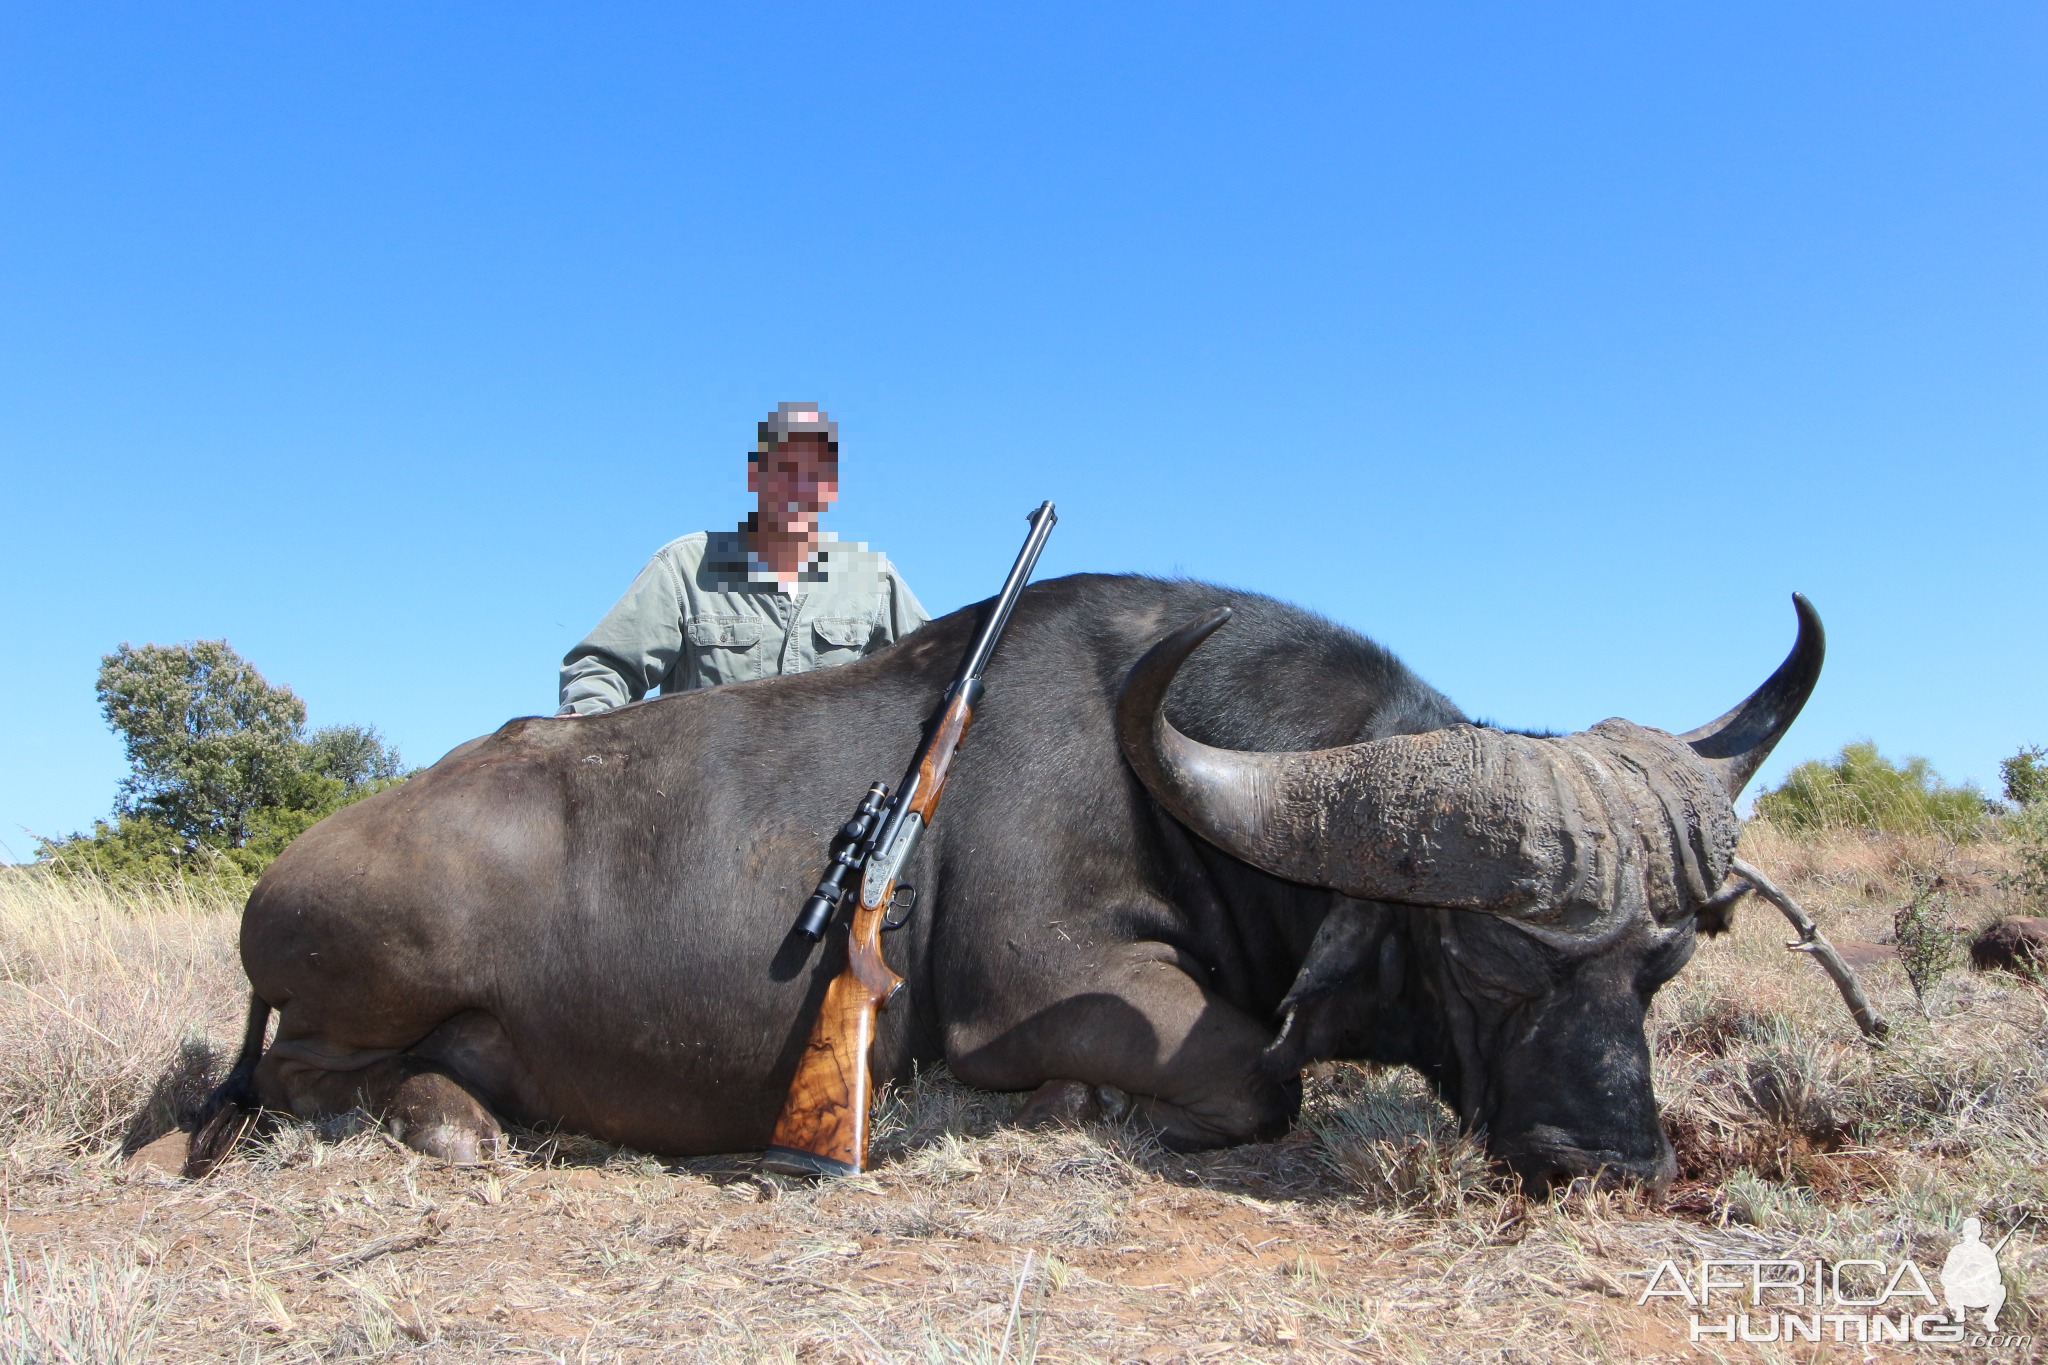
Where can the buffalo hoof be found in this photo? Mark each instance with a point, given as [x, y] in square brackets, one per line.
[2017, 943]
[1070, 1104]
[432, 1114]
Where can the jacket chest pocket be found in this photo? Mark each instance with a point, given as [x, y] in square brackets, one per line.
[723, 650]
[839, 639]
[725, 632]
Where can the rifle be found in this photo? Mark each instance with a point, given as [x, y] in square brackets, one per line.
[823, 1128]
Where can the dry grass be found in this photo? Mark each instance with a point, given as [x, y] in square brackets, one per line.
[1786, 1120]
[111, 1005]
[1374, 1231]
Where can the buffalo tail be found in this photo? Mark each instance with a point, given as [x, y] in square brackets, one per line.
[232, 1110]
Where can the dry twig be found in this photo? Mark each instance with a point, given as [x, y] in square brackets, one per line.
[1812, 940]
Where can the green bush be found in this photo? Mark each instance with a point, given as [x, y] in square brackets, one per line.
[130, 848]
[222, 774]
[2026, 775]
[1862, 789]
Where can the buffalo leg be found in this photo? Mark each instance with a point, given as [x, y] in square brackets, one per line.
[430, 1111]
[1141, 1024]
[1062, 1104]
[419, 1101]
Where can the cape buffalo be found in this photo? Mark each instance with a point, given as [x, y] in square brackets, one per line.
[1184, 876]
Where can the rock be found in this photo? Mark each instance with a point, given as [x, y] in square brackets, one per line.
[2017, 943]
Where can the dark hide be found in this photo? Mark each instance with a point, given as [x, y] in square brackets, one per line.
[586, 923]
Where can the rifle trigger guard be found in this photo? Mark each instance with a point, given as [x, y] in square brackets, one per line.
[901, 903]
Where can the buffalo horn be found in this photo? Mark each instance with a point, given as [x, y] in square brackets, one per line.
[1463, 817]
[1226, 794]
[1737, 744]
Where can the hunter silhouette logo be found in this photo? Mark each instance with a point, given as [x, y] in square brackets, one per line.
[1970, 1278]
[1855, 1301]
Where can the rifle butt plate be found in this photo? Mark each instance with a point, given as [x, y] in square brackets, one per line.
[790, 1161]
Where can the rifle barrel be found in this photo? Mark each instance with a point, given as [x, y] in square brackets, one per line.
[968, 679]
[1042, 521]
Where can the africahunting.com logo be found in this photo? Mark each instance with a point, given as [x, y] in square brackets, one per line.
[1791, 1300]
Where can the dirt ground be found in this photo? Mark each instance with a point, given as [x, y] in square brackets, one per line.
[1371, 1232]
[1011, 1246]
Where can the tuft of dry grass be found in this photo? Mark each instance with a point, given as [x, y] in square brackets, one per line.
[1393, 1144]
[1374, 1231]
[57, 1310]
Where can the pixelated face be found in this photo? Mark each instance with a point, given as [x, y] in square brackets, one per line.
[795, 481]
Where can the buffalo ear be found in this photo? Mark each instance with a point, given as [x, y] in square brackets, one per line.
[1333, 996]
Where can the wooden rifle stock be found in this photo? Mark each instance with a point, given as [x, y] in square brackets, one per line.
[823, 1127]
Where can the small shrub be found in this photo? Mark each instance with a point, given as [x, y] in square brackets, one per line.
[2026, 831]
[2027, 835]
[1862, 789]
[1929, 946]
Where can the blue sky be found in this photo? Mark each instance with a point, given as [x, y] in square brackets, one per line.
[1552, 345]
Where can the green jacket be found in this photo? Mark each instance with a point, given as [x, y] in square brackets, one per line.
[692, 619]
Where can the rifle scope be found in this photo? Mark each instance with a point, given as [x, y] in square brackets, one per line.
[816, 915]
